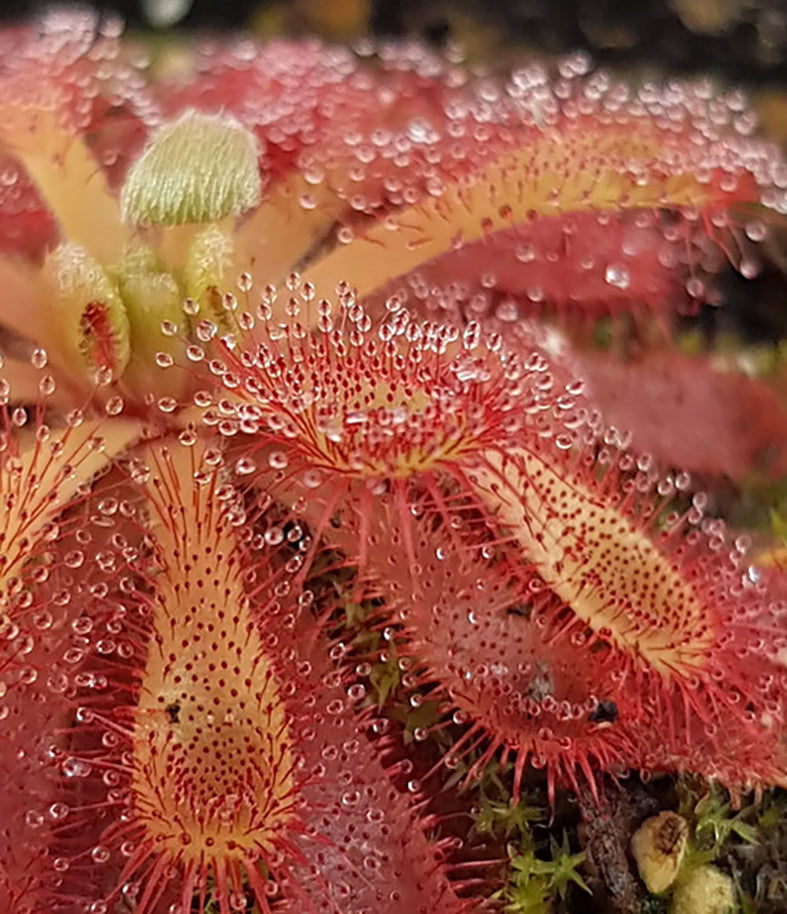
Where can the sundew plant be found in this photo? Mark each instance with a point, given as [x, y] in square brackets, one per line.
[362, 479]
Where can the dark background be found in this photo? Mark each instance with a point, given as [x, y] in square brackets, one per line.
[745, 40]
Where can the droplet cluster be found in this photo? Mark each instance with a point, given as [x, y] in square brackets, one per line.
[359, 386]
[370, 398]
[239, 750]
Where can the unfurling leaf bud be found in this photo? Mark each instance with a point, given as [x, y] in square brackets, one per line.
[96, 331]
[200, 168]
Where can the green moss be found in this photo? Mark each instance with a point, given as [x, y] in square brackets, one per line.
[535, 882]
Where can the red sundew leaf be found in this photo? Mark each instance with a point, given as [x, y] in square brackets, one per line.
[700, 644]
[377, 405]
[582, 265]
[605, 646]
[228, 748]
[526, 676]
[759, 747]
[46, 642]
[688, 414]
[609, 151]
[342, 140]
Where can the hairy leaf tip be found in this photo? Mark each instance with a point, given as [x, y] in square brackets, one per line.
[200, 168]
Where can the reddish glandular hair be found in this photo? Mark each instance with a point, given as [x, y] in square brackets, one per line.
[44, 582]
[578, 265]
[527, 688]
[42, 469]
[583, 628]
[405, 166]
[698, 643]
[228, 757]
[388, 404]
[579, 147]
